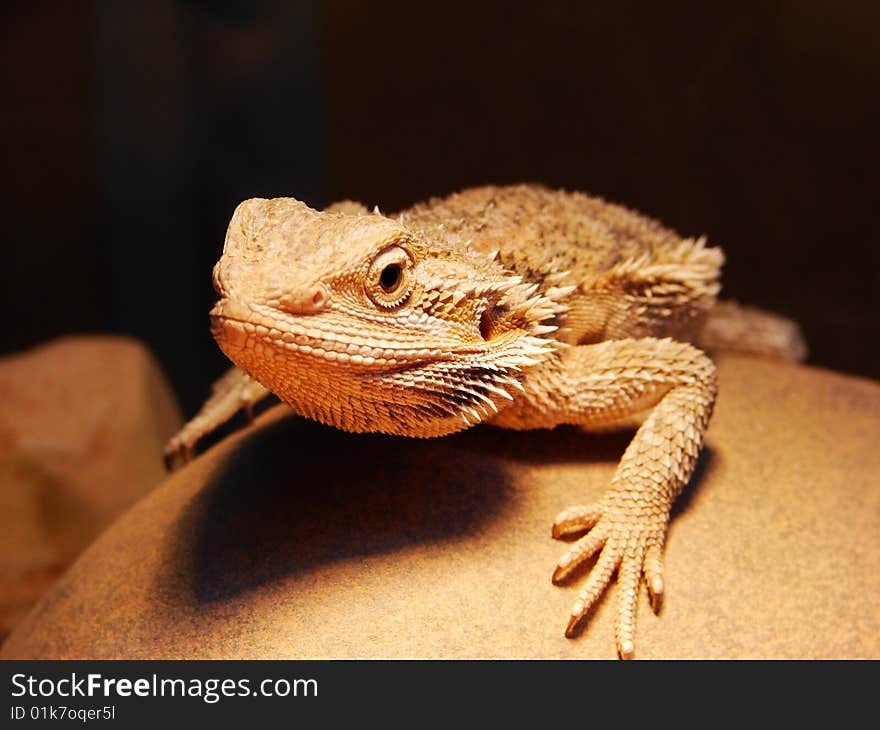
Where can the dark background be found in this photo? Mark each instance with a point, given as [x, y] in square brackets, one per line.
[130, 131]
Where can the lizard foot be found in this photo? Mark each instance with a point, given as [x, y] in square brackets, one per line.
[233, 392]
[629, 537]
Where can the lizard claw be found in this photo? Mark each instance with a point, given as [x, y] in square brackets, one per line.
[177, 452]
[575, 519]
[653, 569]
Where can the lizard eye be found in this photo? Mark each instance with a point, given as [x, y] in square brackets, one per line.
[391, 277]
[387, 282]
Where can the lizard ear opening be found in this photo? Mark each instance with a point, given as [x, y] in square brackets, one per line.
[488, 321]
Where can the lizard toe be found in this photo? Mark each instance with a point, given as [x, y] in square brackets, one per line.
[578, 553]
[575, 519]
[628, 576]
[597, 582]
[653, 570]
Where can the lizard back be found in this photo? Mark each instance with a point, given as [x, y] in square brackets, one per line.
[539, 231]
[633, 276]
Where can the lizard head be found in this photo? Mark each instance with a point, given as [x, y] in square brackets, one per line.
[361, 323]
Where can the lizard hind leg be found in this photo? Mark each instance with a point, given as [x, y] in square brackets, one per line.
[234, 391]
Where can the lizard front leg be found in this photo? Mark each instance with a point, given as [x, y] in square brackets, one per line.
[594, 385]
[234, 391]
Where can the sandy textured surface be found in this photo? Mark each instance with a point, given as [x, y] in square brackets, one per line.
[293, 540]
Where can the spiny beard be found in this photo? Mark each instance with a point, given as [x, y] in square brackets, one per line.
[445, 396]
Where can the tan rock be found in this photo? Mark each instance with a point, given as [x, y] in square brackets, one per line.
[294, 540]
[82, 425]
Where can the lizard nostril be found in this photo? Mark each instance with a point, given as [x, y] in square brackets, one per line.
[308, 302]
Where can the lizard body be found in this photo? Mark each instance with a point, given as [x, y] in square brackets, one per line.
[519, 306]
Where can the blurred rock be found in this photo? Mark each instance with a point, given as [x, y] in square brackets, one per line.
[82, 424]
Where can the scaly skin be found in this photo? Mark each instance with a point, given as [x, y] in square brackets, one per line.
[521, 306]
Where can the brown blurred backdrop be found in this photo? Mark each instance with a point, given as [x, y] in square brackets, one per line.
[130, 131]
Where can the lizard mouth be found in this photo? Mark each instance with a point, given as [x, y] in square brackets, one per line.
[241, 329]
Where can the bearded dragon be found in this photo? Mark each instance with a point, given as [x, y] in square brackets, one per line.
[517, 306]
